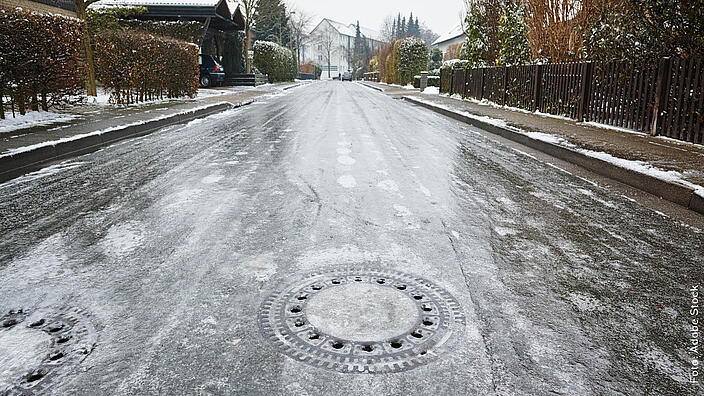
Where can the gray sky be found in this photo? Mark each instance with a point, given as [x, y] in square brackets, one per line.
[439, 15]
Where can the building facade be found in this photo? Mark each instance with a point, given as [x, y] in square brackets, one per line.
[331, 45]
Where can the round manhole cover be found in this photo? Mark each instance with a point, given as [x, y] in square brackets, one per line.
[360, 320]
[38, 349]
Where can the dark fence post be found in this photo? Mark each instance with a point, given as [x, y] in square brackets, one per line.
[481, 91]
[467, 79]
[585, 92]
[503, 95]
[661, 88]
[452, 80]
[537, 89]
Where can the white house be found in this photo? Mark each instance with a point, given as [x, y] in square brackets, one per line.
[335, 40]
[454, 36]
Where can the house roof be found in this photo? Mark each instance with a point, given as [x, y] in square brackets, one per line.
[456, 32]
[183, 10]
[351, 29]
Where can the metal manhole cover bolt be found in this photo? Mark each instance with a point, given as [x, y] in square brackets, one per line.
[72, 337]
[362, 320]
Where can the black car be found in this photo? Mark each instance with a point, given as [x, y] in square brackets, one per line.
[211, 72]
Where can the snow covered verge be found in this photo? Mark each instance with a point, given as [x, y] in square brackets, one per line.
[44, 118]
[634, 165]
[103, 98]
[32, 118]
[23, 149]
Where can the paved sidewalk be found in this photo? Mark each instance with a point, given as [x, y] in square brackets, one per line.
[667, 154]
[96, 118]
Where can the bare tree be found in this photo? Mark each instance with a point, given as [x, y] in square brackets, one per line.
[327, 41]
[387, 29]
[81, 11]
[250, 9]
[300, 21]
[553, 27]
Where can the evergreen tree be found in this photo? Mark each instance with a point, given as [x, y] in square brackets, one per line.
[271, 22]
[399, 28]
[404, 28]
[357, 56]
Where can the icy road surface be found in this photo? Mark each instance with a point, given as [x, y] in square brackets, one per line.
[171, 241]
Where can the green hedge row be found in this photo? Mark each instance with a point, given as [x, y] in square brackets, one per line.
[433, 81]
[136, 67]
[39, 60]
[276, 61]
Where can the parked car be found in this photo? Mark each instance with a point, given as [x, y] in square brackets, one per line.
[211, 72]
[347, 76]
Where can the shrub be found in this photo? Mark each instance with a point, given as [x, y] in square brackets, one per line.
[374, 64]
[411, 56]
[383, 56]
[391, 64]
[446, 72]
[452, 52]
[276, 61]
[135, 67]
[435, 60]
[39, 60]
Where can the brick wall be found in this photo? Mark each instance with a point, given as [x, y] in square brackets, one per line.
[34, 6]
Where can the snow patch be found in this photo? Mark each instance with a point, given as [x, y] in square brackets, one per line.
[585, 303]
[122, 239]
[388, 185]
[402, 211]
[347, 181]
[262, 266]
[32, 119]
[212, 179]
[24, 149]
[431, 91]
[346, 160]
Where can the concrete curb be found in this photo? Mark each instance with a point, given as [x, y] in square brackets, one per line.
[372, 87]
[670, 191]
[16, 165]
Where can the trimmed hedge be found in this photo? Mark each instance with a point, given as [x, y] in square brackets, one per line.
[100, 20]
[277, 62]
[433, 81]
[136, 67]
[39, 60]
[411, 57]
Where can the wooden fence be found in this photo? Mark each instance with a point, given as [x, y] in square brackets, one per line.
[662, 98]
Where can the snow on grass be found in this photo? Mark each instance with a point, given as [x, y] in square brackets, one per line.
[31, 119]
[431, 91]
[103, 98]
[19, 150]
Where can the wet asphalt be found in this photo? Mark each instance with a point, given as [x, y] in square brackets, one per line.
[171, 241]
